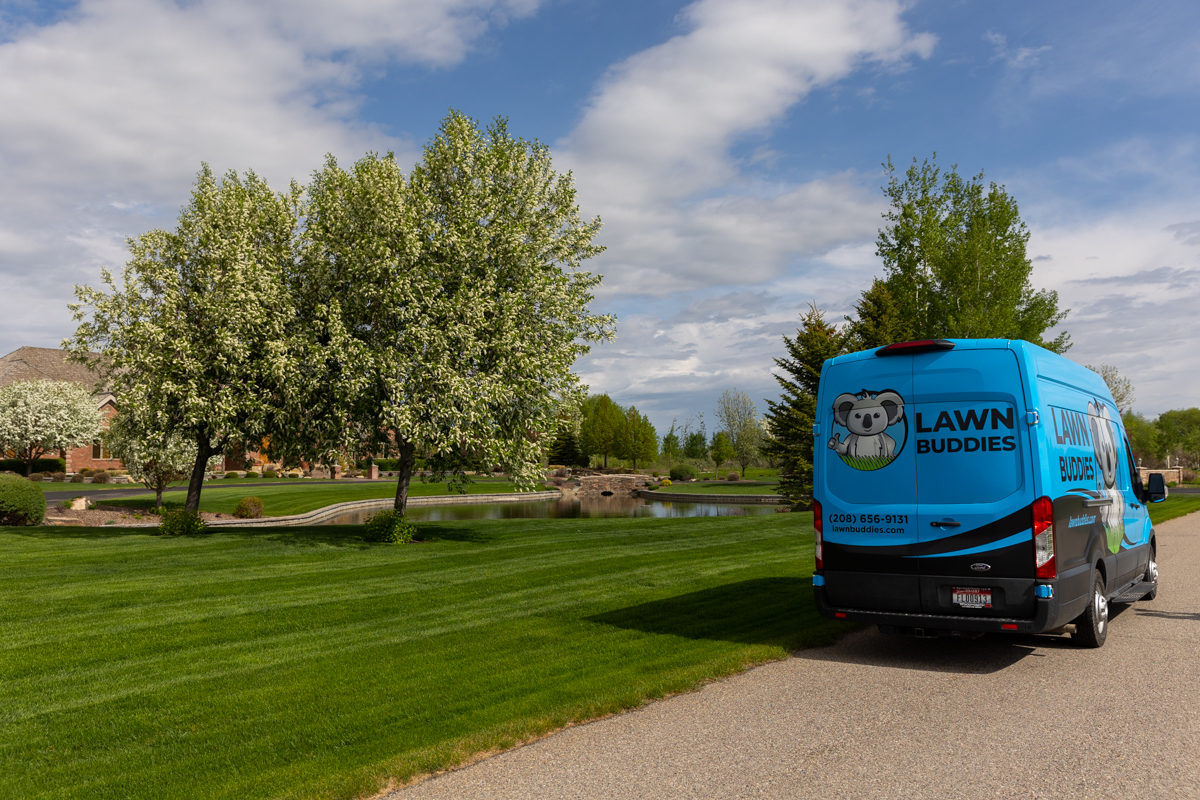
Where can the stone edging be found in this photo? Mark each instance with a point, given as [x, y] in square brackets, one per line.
[322, 514]
[732, 499]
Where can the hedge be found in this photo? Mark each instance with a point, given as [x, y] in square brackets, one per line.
[41, 465]
[21, 503]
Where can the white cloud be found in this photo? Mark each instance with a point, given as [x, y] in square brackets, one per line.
[652, 151]
[109, 110]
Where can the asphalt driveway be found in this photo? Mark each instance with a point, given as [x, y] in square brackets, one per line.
[879, 716]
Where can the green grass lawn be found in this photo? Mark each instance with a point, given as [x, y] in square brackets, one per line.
[305, 663]
[285, 499]
[721, 487]
[1176, 505]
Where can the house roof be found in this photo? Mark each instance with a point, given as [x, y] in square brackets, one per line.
[43, 364]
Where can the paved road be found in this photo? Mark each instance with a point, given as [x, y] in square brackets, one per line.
[880, 716]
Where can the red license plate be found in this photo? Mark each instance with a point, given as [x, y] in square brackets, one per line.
[971, 597]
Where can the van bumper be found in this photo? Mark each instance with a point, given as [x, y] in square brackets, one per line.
[1045, 618]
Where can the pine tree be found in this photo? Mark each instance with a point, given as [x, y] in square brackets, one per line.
[879, 320]
[790, 419]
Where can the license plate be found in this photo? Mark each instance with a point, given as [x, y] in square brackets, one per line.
[971, 597]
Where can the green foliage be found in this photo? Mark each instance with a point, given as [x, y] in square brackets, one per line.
[40, 465]
[955, 261]
[390, 527]
[600, 429]
[1144, 438]
[252, 475]
[21, 503]
[269, 473]
[565, 449]
[230, 476]
[638, 441]
[1179, 433]
[181, 523]
[683, 472]
[790, 419]
[249, 508]
[721, 450]
[695, 444]
[672, 447]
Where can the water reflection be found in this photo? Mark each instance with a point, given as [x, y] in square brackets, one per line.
[566, 508]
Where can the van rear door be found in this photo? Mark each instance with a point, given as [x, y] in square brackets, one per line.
[867, 482]
[974, 484]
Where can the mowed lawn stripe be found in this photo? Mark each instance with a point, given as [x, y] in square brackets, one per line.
[304, 663]
[287, 499]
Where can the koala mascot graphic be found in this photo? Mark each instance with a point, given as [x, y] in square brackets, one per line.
[1104, 445]
[867, 416]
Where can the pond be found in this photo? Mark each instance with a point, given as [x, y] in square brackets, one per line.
[567, 508]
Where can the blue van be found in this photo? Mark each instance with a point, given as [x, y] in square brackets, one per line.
[972, 485]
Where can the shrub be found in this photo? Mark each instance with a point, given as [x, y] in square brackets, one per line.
[665, 482]
[230, 476]
[100, 477]
[250, 474]
[37, 476]
[40, 465]
[1188, 475]
[391, 527]
[77, 477]
[63, 505]
[181, 523]
[268, 473]
[21, 503]
[249, 508]
[58, 477]
[683, 472]
[86, 472]
[295, 474]
[655, 474]
[733, 476]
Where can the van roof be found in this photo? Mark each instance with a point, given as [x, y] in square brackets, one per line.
[1039, 360]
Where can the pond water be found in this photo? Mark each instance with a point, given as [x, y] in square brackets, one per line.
[572, 508]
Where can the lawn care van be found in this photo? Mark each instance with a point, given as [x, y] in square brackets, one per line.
[972, 485]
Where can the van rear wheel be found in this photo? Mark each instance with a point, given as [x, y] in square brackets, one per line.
[1091, 627]
[1152, 575]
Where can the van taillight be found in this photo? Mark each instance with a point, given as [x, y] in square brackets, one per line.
[1045, 567]
[818, 526]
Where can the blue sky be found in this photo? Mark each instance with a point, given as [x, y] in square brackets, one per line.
[733, 149]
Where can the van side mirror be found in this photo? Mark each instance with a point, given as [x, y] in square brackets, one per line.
[1156, 489]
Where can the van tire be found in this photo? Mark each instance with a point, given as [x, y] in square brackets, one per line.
[1152, 574]
[1091, 627]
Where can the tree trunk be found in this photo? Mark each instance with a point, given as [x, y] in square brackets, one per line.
[204, 452]
[408, 457]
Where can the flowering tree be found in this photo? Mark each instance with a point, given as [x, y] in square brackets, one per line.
[739, 417]
[41, 417]
[154, 458]
[446, 310]
[195, 341]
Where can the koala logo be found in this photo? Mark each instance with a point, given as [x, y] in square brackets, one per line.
[867, 415]
[1106, 451]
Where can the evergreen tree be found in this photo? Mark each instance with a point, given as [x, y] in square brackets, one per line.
[565, 449]
[790, 419]
[878, 320]
[672, 448]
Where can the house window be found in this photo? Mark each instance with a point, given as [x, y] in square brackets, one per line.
[99, 450]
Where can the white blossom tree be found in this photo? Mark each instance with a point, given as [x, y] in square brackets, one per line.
[42, 417]
[154, 457]
[447, 309]
[196, 339]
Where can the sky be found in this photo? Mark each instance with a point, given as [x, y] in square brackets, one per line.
[732, 148]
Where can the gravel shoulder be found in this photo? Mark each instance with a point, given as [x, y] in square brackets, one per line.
[878, 716]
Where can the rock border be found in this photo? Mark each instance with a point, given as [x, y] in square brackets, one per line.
[729, 499]
[337, 509]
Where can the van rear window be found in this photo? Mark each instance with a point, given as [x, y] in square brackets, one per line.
[967, 452]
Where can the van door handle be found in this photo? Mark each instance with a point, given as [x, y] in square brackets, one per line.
[945, 523]
[1104, 501]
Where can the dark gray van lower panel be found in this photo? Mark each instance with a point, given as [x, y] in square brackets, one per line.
[875, 590]
[1011, 597]
[1047, 616]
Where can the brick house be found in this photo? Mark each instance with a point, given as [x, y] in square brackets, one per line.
[51, 364]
